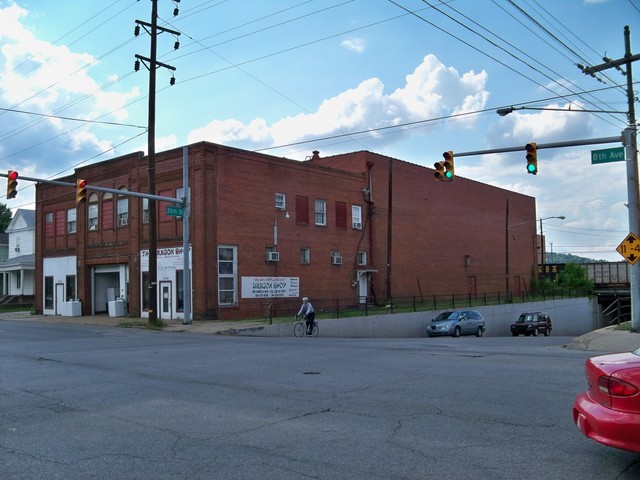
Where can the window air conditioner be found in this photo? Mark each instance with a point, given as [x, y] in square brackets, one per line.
[272, 256]
[357, 225]
[336, 259]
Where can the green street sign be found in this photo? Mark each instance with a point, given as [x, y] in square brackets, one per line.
[607, 155]
[174, 211]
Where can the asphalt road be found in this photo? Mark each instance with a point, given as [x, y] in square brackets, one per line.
[93, 402]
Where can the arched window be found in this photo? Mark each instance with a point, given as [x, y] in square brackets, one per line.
[93, 212]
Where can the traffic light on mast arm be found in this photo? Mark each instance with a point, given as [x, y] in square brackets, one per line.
[81, 191]
[532, 158]
[440, 171]
[449, 165]
[12, 184]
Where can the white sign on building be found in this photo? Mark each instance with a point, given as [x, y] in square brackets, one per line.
[270, 287]
[168, 259]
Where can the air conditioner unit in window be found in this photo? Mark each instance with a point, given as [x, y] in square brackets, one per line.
[336, 259]
[272, 256]
[357, 225]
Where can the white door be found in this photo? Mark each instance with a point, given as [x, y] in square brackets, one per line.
[59, 297]
[363, 287]
[165, 300]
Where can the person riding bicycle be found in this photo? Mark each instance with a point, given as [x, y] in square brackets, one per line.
[308, 314]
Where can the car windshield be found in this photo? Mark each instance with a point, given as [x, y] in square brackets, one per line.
[526, 317]
[637, 352]
[446, 316]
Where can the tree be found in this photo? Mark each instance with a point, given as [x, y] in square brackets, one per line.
[5, 217]
[574, 276]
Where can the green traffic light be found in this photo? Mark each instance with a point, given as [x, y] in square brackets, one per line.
[448, 175]
[531, 168]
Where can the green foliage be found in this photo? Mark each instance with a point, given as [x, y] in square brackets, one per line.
[568, 258]
[574, 276]
[5, 217]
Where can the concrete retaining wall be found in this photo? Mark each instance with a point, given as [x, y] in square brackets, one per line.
[571, 317]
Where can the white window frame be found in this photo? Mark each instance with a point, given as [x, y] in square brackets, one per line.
[280, 201]
[305, 256]
[93, 212]
[145, 210]
[72, 220]
[227, 270]
[356, 217]
[321, 212]
[362, 258]
[123, 211]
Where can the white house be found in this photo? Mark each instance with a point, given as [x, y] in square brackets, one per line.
[18, 270]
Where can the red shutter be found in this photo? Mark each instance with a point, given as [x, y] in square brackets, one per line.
[107, 215]
[302, 210]
[60, 230]
[341, 215]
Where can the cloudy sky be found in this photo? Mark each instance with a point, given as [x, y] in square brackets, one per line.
[405, 78]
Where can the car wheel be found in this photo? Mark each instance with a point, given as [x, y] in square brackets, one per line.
[479, 332]
[547, 332]
[456, 332]
[535, 332]
[527, 334]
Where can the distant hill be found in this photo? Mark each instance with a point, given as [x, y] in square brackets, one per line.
[568, 258]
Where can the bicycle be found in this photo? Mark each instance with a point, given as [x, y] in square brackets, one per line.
[300, 328]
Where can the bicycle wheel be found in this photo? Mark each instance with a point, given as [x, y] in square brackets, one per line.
[315, 330]
[298, 329]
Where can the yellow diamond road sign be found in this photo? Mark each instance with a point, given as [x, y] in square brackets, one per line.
[630, 248]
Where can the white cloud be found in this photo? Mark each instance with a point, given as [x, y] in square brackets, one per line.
[431, 90]
[357, 45]
[41, 77]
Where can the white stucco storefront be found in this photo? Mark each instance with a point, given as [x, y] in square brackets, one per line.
[170, 262]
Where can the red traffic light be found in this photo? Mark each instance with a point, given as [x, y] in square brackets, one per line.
[12, 184]
[81, 191]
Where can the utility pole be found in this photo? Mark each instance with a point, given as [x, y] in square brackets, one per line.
[152, 64]
[631, 154]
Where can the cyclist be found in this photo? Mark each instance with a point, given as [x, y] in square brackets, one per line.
[308, 314]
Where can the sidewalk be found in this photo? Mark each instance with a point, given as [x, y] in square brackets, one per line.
[212, 327]
[604, 340]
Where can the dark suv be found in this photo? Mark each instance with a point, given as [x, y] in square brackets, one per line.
[532, 324]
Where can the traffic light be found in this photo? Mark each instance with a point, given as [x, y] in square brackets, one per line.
[81, 191]
[532, 158]
[449, 166]
[440, 171]
[12, 184]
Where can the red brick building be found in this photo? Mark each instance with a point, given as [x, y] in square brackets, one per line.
[343, 228]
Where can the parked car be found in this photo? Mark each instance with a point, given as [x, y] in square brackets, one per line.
[456, 323]
[532, 324]
[609, 411]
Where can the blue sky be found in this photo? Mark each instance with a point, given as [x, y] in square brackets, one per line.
[290, 76]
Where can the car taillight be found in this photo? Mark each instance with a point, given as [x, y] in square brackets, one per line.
[616, 387]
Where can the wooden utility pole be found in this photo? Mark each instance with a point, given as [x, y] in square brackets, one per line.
[152, 64]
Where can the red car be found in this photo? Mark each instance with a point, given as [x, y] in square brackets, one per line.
[609, 411]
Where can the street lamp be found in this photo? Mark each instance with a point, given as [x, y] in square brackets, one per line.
[507, 110]
[542, 242]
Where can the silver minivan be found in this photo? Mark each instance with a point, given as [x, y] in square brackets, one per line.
[456, 323]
